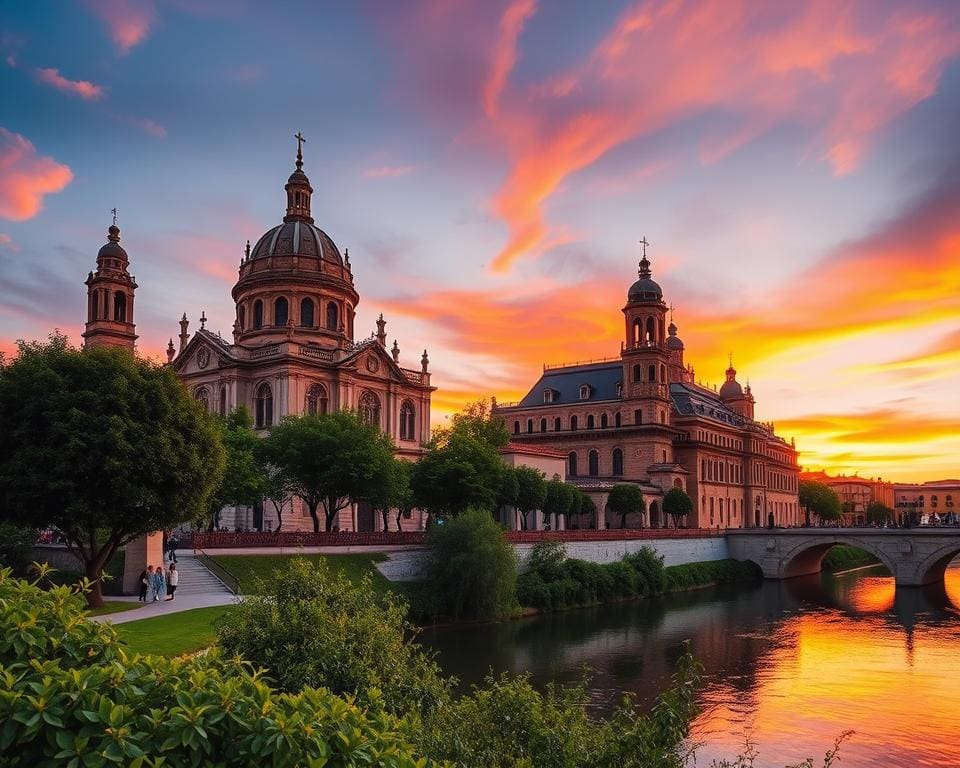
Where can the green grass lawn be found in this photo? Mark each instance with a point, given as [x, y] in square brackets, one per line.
[173, 634]
[249, 568]
[115, 606]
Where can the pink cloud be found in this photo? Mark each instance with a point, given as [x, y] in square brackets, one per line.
[82, 88]
[6, 242]
[505, 51]
[25, 177]
[128, 21]
[150, 127]
[385, 171]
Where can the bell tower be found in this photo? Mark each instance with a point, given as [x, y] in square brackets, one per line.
[110, 293]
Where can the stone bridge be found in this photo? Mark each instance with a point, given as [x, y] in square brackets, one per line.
[915, 556]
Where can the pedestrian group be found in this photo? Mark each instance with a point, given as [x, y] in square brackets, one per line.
[155, 585]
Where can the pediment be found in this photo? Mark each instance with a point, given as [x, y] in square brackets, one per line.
[201, 355]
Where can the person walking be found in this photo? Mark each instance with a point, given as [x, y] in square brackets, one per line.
[173, 578]
[144, 579]
[172, 547]
[159, 584]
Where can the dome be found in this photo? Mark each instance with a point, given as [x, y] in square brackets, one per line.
[673, 341]
[297, 238]
[645, 289]
[113, 249]
[731, 388]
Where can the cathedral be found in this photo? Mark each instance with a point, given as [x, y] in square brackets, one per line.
[640, 418]
[293, 349]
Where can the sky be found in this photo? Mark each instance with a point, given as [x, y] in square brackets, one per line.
[492, 166]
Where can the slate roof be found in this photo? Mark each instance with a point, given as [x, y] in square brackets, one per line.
[690, 400]
[566, 383]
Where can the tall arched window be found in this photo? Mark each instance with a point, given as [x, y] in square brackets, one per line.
[617, 419]
[281, 311]
[638, 416]
[317, 400]
[223, 401]
[572, 464]
[529, 425]
[593, 460]
[604, 422]
[257, 315]
[543, 425]
[652, 373]
[263, 406]
[120, 307]
[95, 305]
[333, 317]
[203, 395]
[651, 333]
[573, 423]
[242, 316]
[370, 408]
[516, 427]
[636, 373]
[590, 423]
[663, 374]
[617, 462]
[637, 331]
[306, 313]
[407, 421]
[556, 424]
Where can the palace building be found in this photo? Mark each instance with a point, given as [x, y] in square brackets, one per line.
[293, 349]
[640, 418]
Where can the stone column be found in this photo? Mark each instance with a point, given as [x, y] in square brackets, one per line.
[141, 552]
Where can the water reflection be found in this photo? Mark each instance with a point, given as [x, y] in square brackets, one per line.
[790, 663]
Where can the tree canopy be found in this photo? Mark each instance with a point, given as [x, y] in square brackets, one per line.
[330, 459]
[624, 500]
[478, 422]
[531, 491]
[677, 503]
[819, 499]
[102, 445]
[878, 513]
[461, 472]
[243, 481]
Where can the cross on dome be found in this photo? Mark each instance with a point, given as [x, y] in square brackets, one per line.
[300, 140]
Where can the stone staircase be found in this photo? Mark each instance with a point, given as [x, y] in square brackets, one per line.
[196, 579]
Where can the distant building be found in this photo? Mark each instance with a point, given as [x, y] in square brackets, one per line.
[920, 501]
[640, 418]
[856, 493]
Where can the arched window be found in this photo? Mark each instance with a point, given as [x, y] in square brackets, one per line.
[120, 307]
[593, 460]
[257, 315]
[370, 408]
[316, 400]
[543, 425]
[516, 427]
[663, 417]
[652, 373]
[281, 312]
[663, 374]
[573, 423]
[242, 316]
[604, 421]
[203, 395]
[636, 373]
[333, 317]
[638, 416]
[408, 423]
[306, 313]
[572, 464]
[651, 333]
[617, 462]
[223, 401]
[637, 331]
[263, 406]
[95, 305]
[617, 419]
[556, 424]
[529, 425]
[590, 424]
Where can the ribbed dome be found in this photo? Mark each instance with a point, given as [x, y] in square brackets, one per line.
[113, 249]
[731, 389]
[645, 289]
[297, 238]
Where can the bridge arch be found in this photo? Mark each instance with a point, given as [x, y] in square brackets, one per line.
[807, 557]
[934, 565]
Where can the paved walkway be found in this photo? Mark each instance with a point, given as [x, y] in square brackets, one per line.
[330, 550]
[198, 588]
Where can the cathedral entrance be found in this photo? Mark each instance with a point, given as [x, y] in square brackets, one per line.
[364, 517]
[655, 521]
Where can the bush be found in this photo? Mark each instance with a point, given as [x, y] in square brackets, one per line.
[649, 567]
[842, 557]
[70, 694]
[16, 546]
[473, 568]
[316, 628]
[547, 558]
[692, 575]
[532, 591]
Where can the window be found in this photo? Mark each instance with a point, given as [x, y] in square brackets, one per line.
[556, 424]
[242, 316]
[604, 422]
[637, 331]
[281, 312]
[617, 419]
[203, 395]
[263, 406]
[333, 317]
[663, 417]
[543, 425]
[663, 457]
[593, 459]
[407, 421]
[617, 462]
[573, 423]
[223, 401]
[636, 373]
[257, 315]
[663, 374]
[306, 313]
[95, 305]
[933, 500]
[584, 391]
[572, 464]
[529, 426]
[370, 408]
[548, 395]
[638, 416]
[652, 373]
[120, 307]
[316, 400]
[590, 423]
[516, 427]
[619, 389]
[651, 334]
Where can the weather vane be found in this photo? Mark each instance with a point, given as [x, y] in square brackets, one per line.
[114, 212]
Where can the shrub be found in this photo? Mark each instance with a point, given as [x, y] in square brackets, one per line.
[473, 568]
[316, 628]
[691, 575]
[533, 591]
[70, 694]
[16, 545]
[547, 558]
[649, 567]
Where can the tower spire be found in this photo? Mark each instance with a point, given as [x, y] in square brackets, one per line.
[300, 139]
[644, 271]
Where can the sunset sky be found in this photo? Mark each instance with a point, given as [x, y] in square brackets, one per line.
[491, 167]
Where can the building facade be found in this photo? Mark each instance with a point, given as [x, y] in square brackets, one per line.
[640, 418]
[293, 349]
[936, 501]
[856, 494]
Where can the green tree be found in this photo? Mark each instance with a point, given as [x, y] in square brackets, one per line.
[819, 499]
[404, 501]
[473, 568]
[243, 481]
[478, 422]
[558, 498]
[588, 507]
[460, 473]
[330, 459]
[508, 487]
[103, 446]
[531, 491]
[625, 500]
[677, 504]
[878, 513]
[391, 490]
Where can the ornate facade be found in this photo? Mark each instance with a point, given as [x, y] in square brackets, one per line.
[640, 418]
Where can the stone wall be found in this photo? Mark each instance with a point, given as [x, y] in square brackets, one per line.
[408, 565]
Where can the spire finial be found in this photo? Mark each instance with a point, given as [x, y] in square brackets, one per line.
[644, 271]
[671, 311]
[247, 251]
[300, 139]
[730, 358]
[644, 243]
[203, 320]
[114, 212]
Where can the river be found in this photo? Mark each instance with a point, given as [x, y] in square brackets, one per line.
[789, 665]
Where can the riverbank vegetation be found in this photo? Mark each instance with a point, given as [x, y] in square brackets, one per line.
[843, 558]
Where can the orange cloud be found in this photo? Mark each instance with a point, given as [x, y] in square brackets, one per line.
[850, 71]
[505, 51]
[128, 21]
[82, 88]
[25, 177]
